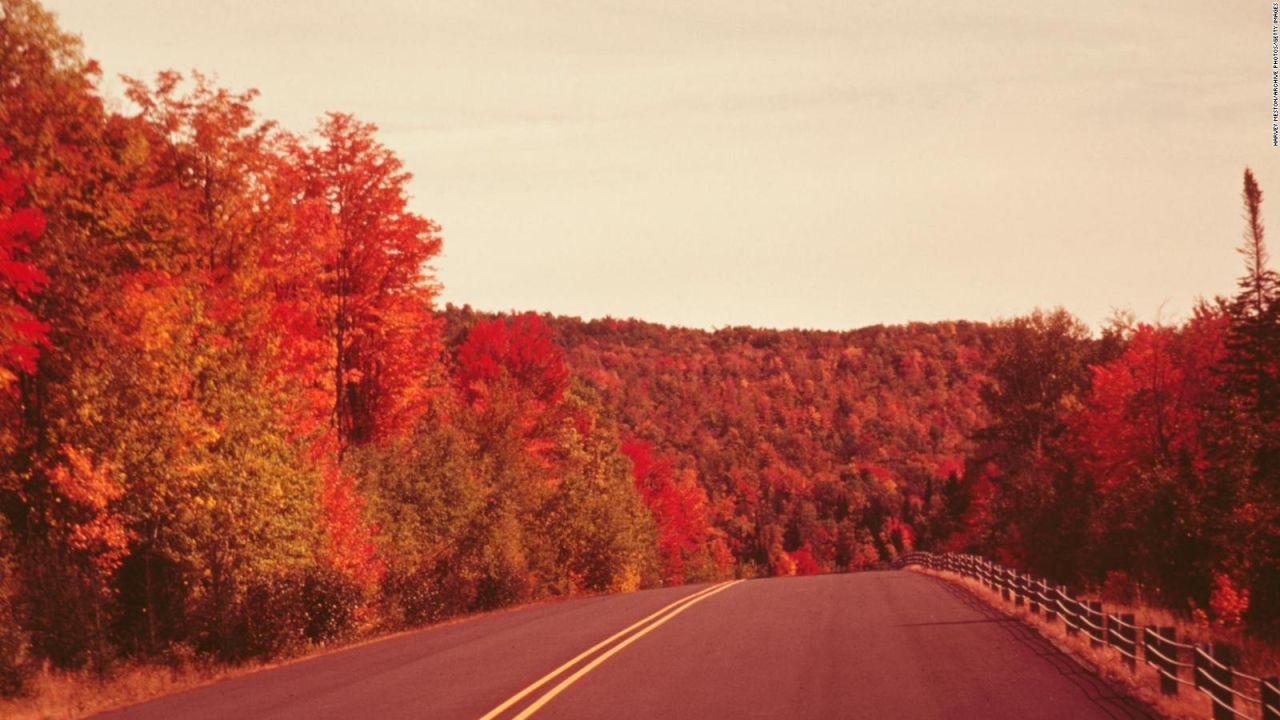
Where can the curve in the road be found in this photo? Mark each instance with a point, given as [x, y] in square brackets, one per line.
[648, 622]
[550, 694]
[864, 645]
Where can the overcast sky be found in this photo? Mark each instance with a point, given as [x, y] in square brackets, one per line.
[816, 164]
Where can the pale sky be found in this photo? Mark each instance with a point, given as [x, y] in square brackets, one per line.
[809, 164]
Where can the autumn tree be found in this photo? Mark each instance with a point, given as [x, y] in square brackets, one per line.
[190, 347]
[56, 489]
[592, 531]
[428, 497]
[375, 290]
[679, 507]
[512, 377]
[22, 334]
[559, 513]
[1146, 455]
[1039, 373]
[352, 291]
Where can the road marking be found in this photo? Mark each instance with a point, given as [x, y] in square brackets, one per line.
[551, 675]
[605, 656]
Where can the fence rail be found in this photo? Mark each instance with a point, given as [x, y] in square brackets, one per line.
[1210, 669]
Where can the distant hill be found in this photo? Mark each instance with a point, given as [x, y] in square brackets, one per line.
[826, 450]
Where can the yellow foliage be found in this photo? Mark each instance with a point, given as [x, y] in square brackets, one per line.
[626, 581]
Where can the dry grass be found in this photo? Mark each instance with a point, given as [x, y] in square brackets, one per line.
[57, 694]
[62, 695]
[1141, 682]
[1255, 656]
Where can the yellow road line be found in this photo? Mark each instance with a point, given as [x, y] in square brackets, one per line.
[551, 675]
[605, 656]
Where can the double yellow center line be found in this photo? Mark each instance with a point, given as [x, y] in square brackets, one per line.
[641, 627]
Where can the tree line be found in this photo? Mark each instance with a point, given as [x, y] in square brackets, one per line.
[1142, 461]
[1145, 462]
[229, 425]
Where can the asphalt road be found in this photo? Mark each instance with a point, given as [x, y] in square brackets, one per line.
[864, 645]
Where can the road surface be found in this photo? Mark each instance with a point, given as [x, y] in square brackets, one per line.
[864, 645]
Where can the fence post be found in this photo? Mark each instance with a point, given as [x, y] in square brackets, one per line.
[1222, 673]
[1096, 636]
[1050, 608]
[1004, 583]
[1019, 588]
[1072, 608]
[1120, 634]
[1033, 595]
[1198, 667]
[1129, 640]
[1270, 698]
[1166, 636]
[1161, 639]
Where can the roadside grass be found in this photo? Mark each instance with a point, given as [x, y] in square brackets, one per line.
[56, 694]
[63, 695]
[1141, 682]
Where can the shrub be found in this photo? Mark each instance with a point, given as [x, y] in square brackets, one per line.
[332, 600]
[275, 615]
[14, 641]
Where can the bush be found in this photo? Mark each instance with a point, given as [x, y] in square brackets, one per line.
[285, 612]
[331, 600]
[14, 644]
[420, 596]
[275, 615]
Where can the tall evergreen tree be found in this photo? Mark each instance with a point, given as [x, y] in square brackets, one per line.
[1255, 334]
[1253, 397]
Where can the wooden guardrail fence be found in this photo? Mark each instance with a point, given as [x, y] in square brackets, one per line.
[1206, 668]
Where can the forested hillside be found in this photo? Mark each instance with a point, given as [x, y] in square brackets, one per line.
[1141, 460]
[817, 451]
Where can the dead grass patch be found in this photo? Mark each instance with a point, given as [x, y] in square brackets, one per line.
[55, 695]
